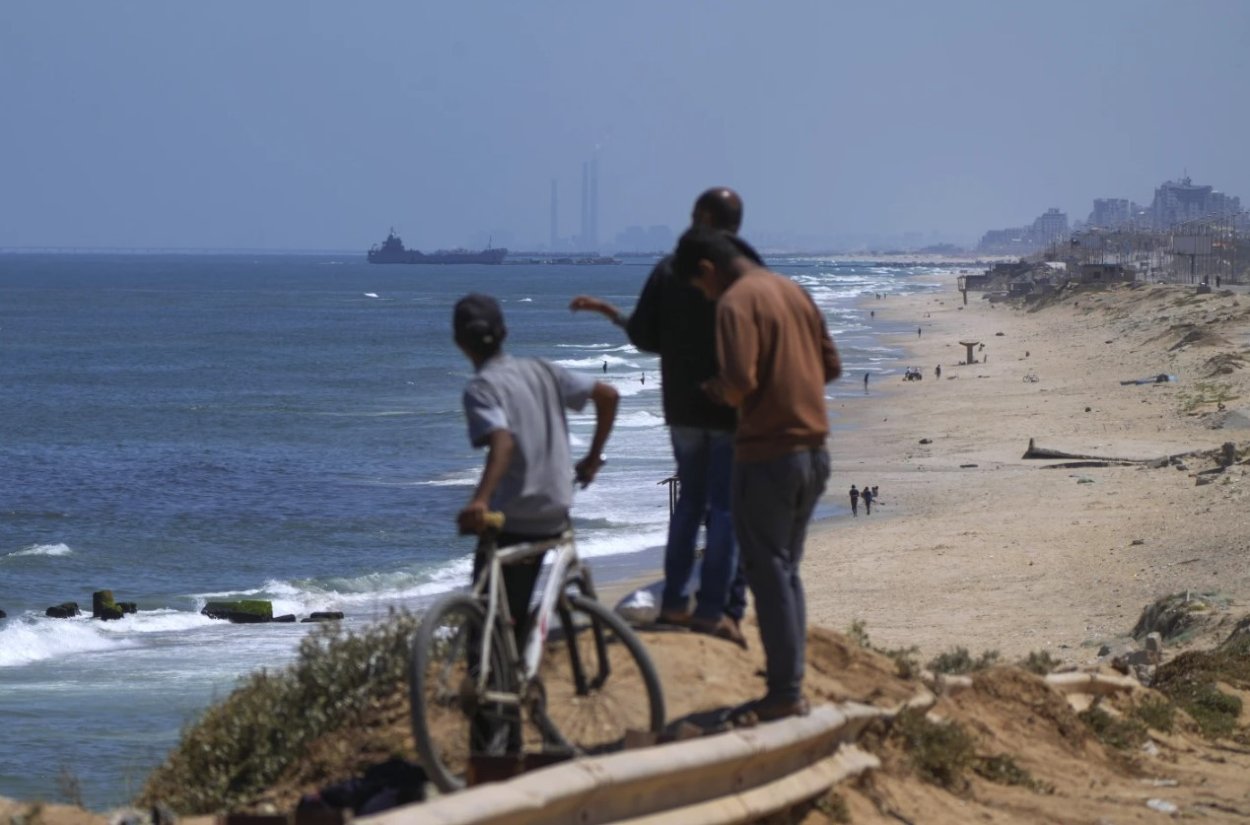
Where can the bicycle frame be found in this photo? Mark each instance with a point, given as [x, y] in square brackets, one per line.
[566, 569]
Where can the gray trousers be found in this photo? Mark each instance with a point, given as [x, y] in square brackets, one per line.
[772, 504]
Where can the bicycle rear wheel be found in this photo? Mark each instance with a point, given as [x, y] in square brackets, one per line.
[450, 721]
[598, 679]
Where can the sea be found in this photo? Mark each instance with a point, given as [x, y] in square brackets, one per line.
[184, 428]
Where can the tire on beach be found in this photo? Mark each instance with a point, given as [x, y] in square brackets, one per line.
[448, 723]
[619, 690]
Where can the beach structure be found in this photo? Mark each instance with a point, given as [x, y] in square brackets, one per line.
[970, 345]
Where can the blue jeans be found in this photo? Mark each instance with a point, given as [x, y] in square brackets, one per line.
[772, 504]
[704, 467]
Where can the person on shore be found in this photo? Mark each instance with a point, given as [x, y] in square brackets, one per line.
[854, 500]
[515, 409]
[937, 371]
[917, 332]
[867, 495]
[865, 383]
[775, 358]
[675, 321]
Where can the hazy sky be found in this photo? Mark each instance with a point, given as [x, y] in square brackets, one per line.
[318, 125]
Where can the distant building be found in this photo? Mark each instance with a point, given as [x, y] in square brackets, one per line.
[1048, 229]
[1111, 213]
[1014, 241]
[1179, 201]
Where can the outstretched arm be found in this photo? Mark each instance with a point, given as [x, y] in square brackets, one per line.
[605, 398]
[593, 304]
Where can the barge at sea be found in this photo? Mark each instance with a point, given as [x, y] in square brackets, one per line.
[392, 251]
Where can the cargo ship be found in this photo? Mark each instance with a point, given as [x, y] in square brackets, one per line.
[392, 251]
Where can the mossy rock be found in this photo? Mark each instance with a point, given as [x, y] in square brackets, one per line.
[102, 601]
[128, 607]
[109, 614]
[64, 610]
[240, 611]
[3, 615]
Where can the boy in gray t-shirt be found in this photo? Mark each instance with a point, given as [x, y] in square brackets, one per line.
[515, 408]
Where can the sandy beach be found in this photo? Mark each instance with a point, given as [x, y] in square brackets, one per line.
[972, 545]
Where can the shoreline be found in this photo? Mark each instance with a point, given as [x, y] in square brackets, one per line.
[983, 549]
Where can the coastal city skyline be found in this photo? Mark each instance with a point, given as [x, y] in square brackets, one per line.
[145, 125]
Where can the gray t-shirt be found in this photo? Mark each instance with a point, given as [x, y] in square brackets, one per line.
[527, 397]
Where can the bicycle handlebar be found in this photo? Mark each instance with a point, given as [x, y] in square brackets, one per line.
[492, 520]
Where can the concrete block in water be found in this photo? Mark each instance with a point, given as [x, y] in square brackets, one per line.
[240, 611]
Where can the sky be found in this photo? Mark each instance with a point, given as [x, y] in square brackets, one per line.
[319, 125]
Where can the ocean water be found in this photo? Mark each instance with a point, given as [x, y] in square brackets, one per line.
[182, 428]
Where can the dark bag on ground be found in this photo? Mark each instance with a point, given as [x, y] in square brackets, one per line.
[393, 783]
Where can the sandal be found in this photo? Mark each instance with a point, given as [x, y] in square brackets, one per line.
[722, 628]
[763, 710]
[674, 618]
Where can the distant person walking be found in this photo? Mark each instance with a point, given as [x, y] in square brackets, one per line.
[917, 332]
[867, 495]
[605, 367]
[775, 358]
[854, 500]
[937, 371]
[865, 383]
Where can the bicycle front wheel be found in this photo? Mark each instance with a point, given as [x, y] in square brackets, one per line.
[598, 679]
[451, 720]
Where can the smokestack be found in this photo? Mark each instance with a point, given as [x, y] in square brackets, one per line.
[585, 236]
[594, 201]
[555, 201]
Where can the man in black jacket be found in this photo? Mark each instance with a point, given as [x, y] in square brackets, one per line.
[675, 321]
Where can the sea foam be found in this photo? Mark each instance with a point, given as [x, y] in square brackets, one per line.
[42, 550]
[32, 639]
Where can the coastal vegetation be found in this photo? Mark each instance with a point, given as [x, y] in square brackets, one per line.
[264, 733]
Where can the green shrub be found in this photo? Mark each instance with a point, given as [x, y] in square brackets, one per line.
[959, 661]
[1118, 733]
[1003, 770]
[1156, 714]
[906, 659]
[242, 745]
[940, 752]
[1040, 662]
[858, 633]
[1190, 680]
[1215, 711]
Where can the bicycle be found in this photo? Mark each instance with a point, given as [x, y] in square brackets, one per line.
[472, 690]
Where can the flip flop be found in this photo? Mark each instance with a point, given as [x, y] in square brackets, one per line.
[722, 628]
[761, 710]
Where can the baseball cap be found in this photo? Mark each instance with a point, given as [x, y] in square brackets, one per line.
[478, 320]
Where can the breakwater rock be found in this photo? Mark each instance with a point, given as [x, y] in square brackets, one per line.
[259, 611]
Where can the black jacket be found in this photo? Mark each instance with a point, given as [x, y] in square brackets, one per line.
[675, 321]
